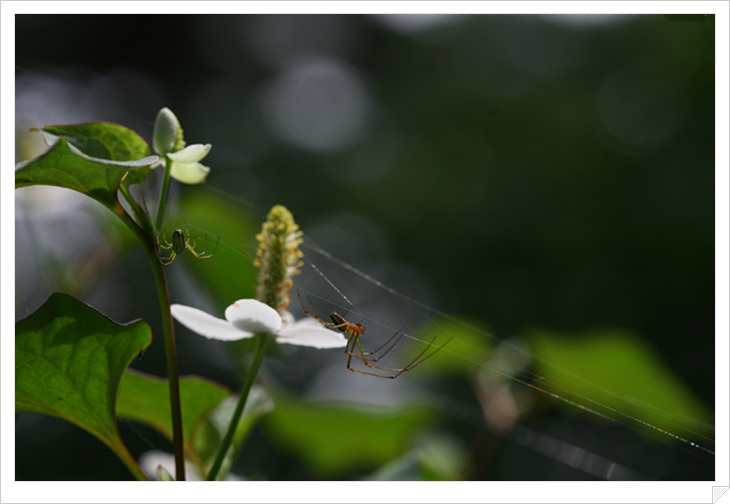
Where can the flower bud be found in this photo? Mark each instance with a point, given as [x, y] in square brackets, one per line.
[168, 133]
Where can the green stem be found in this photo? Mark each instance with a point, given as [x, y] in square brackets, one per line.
[163, 194]
[261, 340]
[168, 332]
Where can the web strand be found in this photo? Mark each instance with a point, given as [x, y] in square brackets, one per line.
[630, 420]
[535, 382]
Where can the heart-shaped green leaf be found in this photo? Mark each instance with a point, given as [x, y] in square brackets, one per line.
[69, 360]
[64, 165]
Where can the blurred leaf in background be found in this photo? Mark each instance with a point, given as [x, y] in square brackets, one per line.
[467, 347]
[335, 439]
[616, 369]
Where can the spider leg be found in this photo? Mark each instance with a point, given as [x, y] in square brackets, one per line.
[351, 343]
[313, 314]
[200, 255]
[168, 260]
[420, 358]
[204, 254]
[165, 245]
[399, 333]
[396, 372]
[350, 349]
[375, 374]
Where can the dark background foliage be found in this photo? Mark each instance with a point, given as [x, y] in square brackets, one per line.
[523, 171]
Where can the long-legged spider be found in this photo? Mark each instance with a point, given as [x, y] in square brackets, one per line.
[180, 243]
[355, 331]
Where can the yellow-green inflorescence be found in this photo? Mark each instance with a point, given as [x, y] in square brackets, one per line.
[179, 141]
[278, 258]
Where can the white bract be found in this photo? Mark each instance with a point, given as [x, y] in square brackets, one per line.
[246, 317]
[185, 164]
[167, 138]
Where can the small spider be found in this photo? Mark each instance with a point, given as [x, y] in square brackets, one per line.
[180, 243]
[355, 331]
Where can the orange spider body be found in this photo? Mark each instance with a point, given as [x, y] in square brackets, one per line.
[339, 322]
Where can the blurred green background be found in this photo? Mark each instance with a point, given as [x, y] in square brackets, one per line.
[549, 179]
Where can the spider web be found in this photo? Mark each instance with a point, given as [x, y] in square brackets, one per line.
[334, 284]
[526, 378]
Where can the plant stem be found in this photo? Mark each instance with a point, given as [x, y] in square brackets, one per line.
[163, 194]
[261, 340]
[168, 332]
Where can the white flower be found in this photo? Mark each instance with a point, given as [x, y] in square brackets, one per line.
[167, 141]
[246, 317]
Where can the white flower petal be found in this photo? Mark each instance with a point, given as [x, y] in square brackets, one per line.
[207, 325]
[253, 316]
[191, 153]
[189, 173]
[311, 336]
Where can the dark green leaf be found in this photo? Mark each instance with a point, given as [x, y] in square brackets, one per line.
[103, 140]
[65, 166]
[69, 360]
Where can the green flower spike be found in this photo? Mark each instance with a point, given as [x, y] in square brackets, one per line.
[278, 258]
